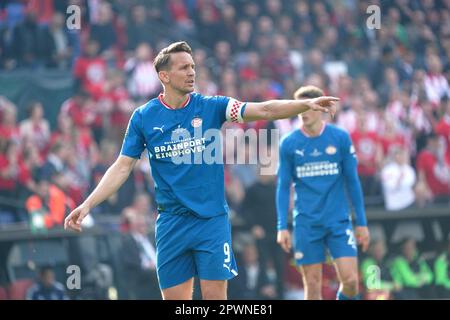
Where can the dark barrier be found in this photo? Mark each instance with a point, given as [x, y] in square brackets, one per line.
[52, 88]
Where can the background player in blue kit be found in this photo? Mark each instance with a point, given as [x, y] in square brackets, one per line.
[193, 235]
[320, 160]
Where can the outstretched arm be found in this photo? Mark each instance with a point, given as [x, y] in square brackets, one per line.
[355, 191]
[282, 197]
[282, 109]
[113, 179]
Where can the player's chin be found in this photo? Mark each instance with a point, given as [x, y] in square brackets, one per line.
[306, 121]
[189, 88]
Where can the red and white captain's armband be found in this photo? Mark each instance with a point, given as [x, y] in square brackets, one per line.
[234, 110]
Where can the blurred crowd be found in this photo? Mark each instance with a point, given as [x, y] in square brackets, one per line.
[393, 85]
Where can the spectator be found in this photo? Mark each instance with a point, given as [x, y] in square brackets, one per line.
[46, 287]
[25, 43]
[9, 176]
[411, 272]
[398, 179]
[138, 28]
[253, 282]
[43, 9]
[90, 69]
[434, 169]
[204, 83]
[442, 272]
[114, 105]
[229, 21]
[9, 130]
[245, 37]
[139, 258]
[179, 15]
[142, 206]
[208, 24]
[107, 155]
[258, 209]
[376, 275]
[143, 82]
[103, 31]
[368, 151]
[76, 178]
[55, 46]
[29, 164]
[392, 137]
[36, 128]
[85, 114]
[436, 85]
[56, 160]
[443, 126]
[278, 60]
[389, 85]
[47, 208]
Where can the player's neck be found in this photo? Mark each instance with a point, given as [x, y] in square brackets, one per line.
[174, 100]
[315, 129]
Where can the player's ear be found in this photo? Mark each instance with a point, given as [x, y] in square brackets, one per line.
[164, 76]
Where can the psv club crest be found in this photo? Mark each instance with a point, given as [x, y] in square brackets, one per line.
[196, 122]
[331, 150]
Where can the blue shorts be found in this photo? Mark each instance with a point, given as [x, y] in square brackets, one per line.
[311, 242]
[188, 246]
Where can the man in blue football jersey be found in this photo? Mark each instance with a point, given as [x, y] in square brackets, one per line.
[193, 236]
[320, 160]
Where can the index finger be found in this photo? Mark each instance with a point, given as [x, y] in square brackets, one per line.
[67, 221]
[332, 99]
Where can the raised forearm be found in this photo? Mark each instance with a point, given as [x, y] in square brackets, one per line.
[282, 109]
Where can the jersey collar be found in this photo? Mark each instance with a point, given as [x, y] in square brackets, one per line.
[320, 133]
[160, 98]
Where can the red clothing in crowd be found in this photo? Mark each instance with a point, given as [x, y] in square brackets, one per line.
[428, 164]
[366, 144]
[443, 129]
[82, 116]
[119, 118]
[178, 11]
[9, 133]
[84, 139]
[389, 143]
[91, 72]
[43, 9]
[22, 176]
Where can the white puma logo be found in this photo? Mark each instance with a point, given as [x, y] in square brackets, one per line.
[230, 270]
[300, 152]
[159, 128]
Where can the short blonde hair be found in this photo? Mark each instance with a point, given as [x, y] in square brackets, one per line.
[308, 92]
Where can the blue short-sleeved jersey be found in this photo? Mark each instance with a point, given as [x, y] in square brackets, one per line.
[197, 186]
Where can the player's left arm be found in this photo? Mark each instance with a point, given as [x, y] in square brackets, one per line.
[285, 169]
[283, 109]
[353, 184]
